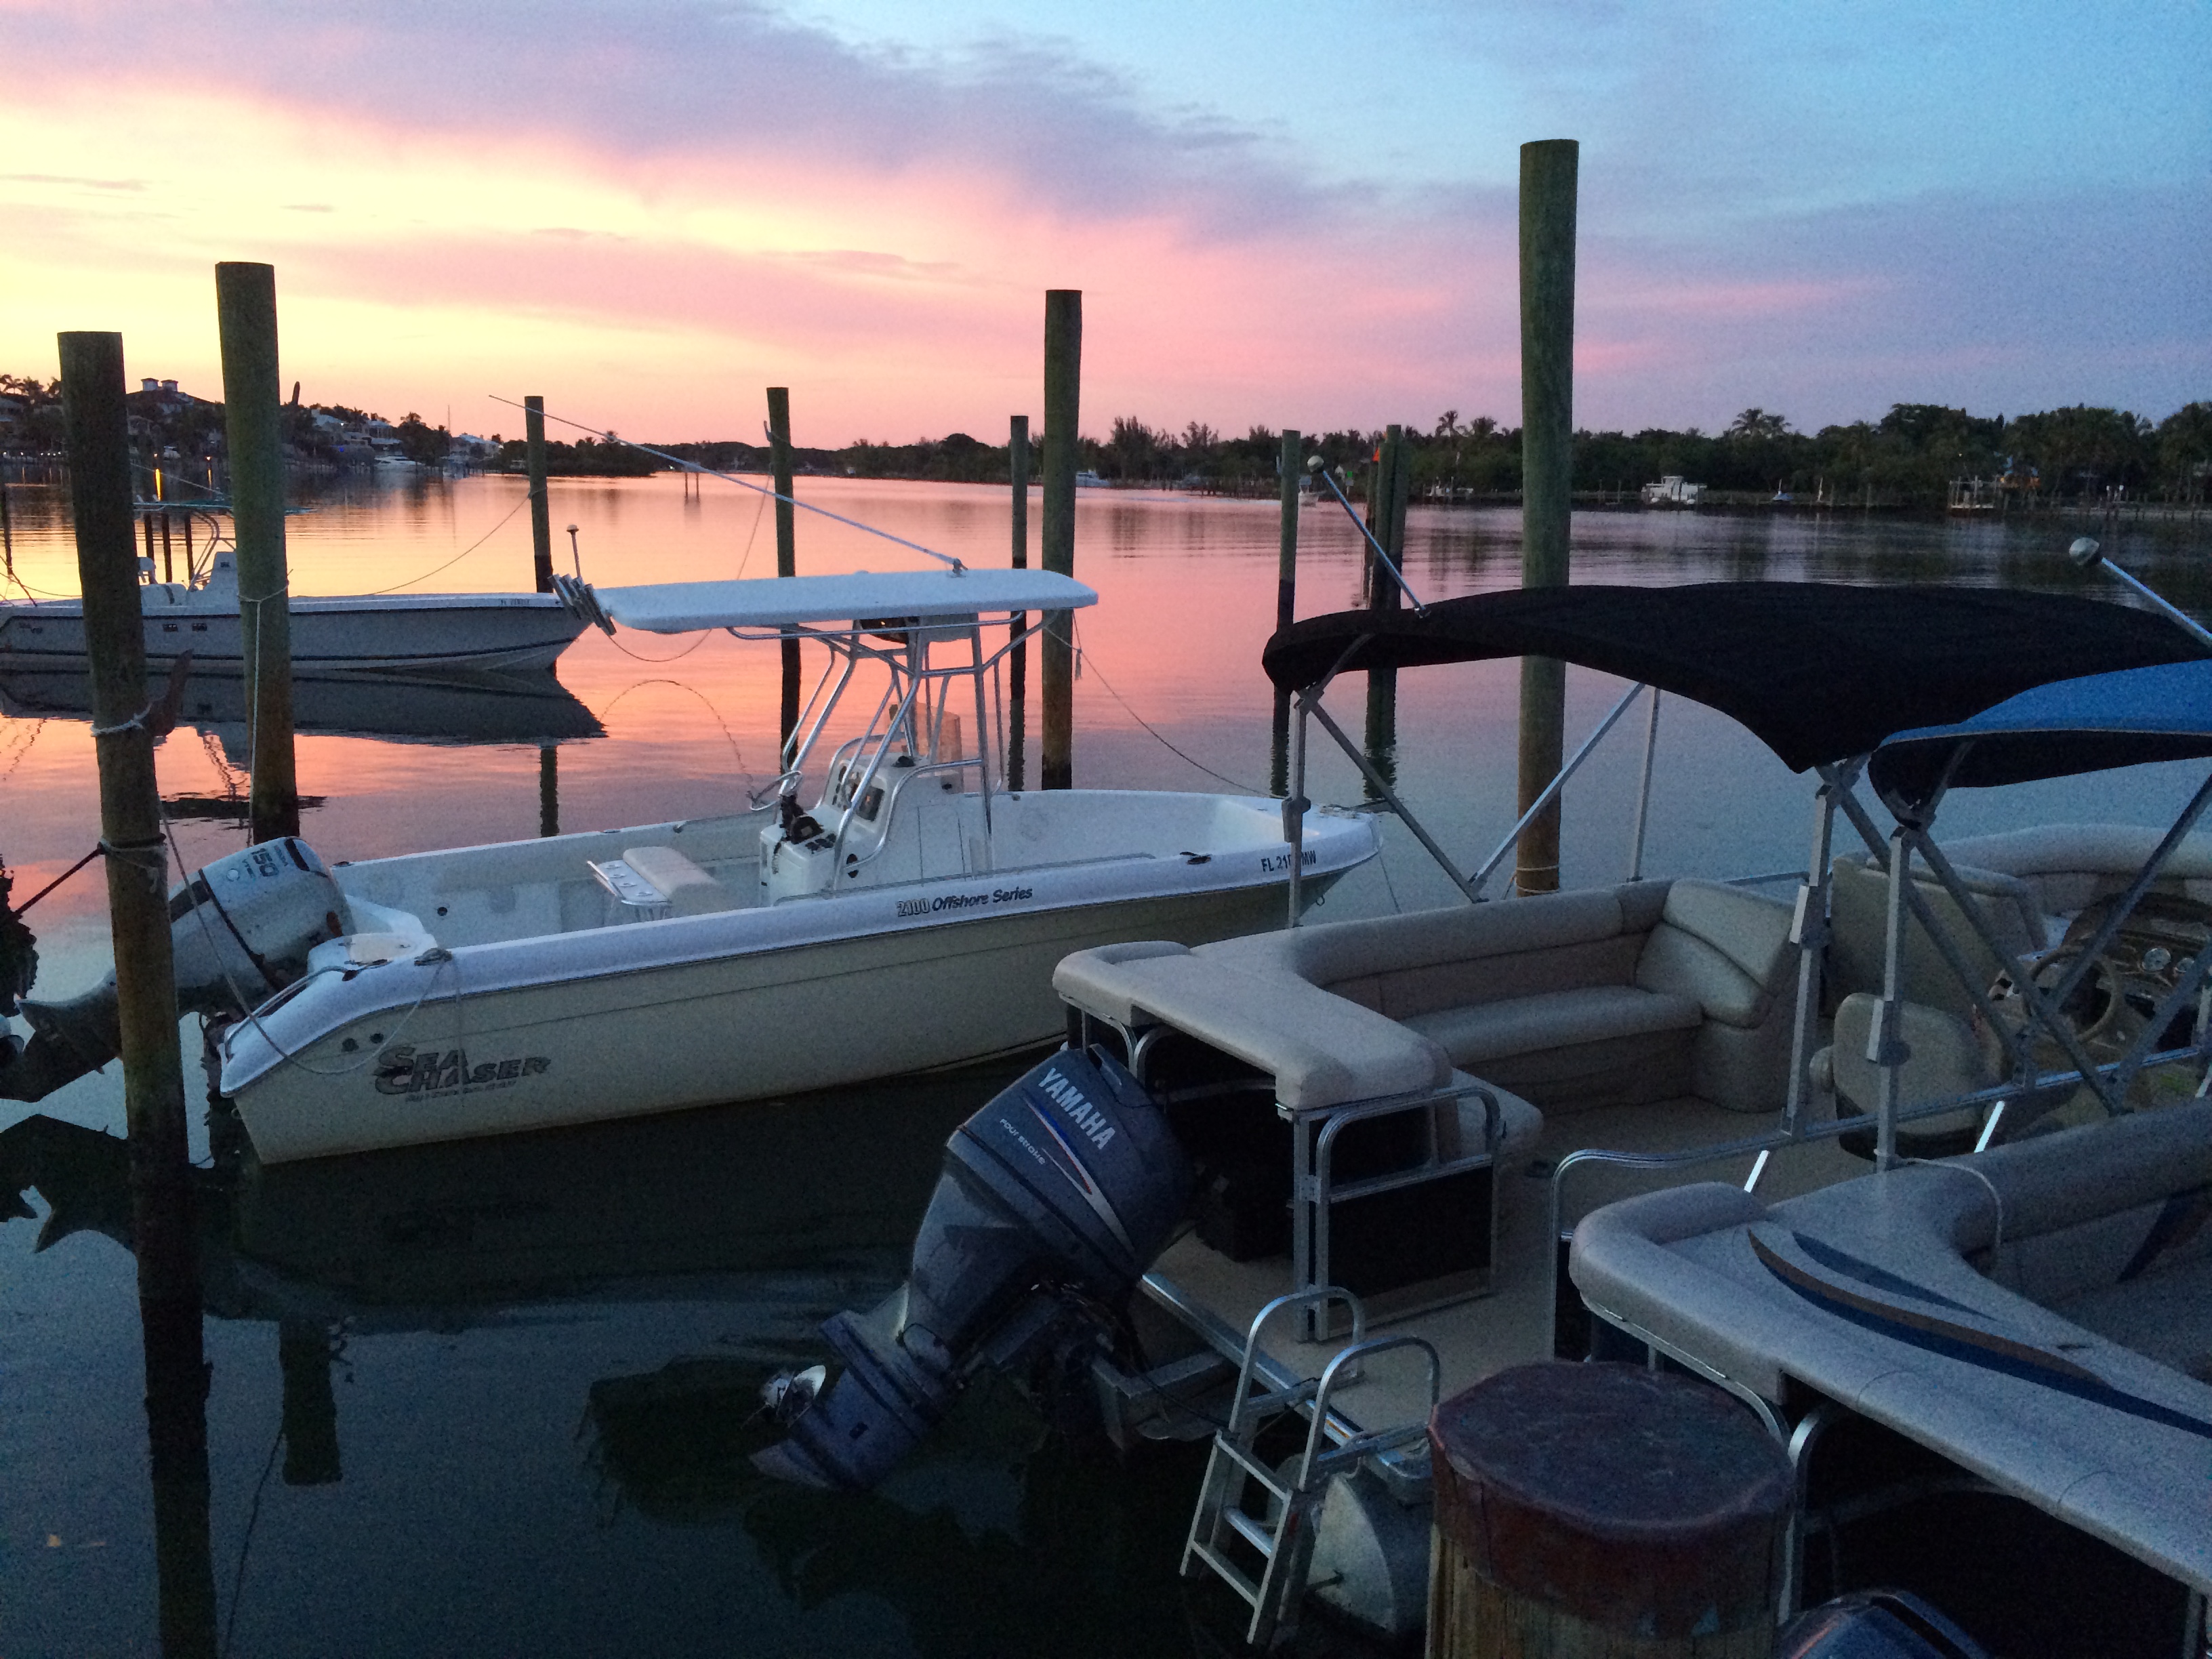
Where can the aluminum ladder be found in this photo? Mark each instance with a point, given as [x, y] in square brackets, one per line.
[1283, 1537]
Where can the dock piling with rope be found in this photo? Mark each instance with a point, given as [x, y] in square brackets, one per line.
[1548, 171]
[1063, 393]
[253, 415]
[165, 1239]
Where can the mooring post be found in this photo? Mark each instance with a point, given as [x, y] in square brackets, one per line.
[1601, 1511]
[1547, 472]
[541, 509]
[1290, 468]
[786, 548]
[548, 790]
[253, 421]
[1063, 396]
[1018, 671]
[1386, 521]
[304, 1356]
[98, 426]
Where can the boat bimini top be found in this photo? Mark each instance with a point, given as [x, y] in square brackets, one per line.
[1924, 688]
[1815, 671]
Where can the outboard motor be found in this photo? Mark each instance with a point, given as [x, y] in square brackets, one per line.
[1054, 1198]
[240, 930]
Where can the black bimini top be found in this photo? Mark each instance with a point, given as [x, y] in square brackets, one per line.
[1818, 672]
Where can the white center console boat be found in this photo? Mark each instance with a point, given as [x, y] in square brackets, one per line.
[905, 918]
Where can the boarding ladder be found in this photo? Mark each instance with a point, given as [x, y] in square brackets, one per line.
[1283, 1536]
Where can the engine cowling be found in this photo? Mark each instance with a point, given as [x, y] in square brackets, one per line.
[1055, 1198]
[239, 930]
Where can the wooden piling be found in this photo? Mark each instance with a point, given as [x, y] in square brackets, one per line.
[548, 790]
[541, 507]
[1290, 468]
[786, 547]
[1548, 171]
[1018, 671]
[253, 419]
[166, 1243]
[1385, 522]
[1599, 1511]
[1063, 396]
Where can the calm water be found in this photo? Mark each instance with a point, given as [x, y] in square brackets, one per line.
[493, 1399]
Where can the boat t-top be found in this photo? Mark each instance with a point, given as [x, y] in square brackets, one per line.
[887, 907]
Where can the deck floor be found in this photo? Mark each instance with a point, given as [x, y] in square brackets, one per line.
[1511, 1325]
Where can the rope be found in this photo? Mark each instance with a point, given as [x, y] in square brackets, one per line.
[680, 465]
[245, 1544]
[1241, 788]
[98, 849]
[523, 501]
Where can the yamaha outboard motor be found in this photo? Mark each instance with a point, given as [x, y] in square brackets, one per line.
[1054, 1198]
[241, 930]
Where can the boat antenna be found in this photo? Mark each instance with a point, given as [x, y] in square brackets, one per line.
[679, 463]
[2087, 555]
[1315, 465]
[575, 557]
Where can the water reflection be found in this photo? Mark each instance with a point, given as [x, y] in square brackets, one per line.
[1000, 1538]
[460, 707]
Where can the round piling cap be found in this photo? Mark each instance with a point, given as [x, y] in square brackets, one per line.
[1642, 1501]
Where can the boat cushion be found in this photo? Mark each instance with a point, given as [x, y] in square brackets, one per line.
[1320, 1049]
[690, 890]
[1722, 945]
[1416, 964]
[1555, 1019]
[2070, 866]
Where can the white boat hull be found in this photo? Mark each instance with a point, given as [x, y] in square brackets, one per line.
[389, 631]
[606, 1022]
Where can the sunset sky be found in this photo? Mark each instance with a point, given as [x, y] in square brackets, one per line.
[1286, 215]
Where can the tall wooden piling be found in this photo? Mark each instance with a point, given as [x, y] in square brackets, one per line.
[786, 547]
[1601, 1512]
[98, 426]
[253, 421]
[1063, 396]
[541, 509]
[1386, 521]
[1018, 671]
[1290, 468]
[548, 790]
[1548, 171]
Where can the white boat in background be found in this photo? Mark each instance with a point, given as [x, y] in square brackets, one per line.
[329, 632]
[908, 919]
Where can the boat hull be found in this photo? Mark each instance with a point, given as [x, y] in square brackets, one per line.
[475, 630]
[749, 1026]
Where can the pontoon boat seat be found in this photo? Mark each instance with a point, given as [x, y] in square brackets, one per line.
[1581, 999]
[2026, 881]
[1950, 1056]
[690, 890]
[1320, 1050]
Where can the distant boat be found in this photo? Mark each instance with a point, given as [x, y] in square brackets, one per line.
[1090, 481]
[1672, 491]
[335, 632]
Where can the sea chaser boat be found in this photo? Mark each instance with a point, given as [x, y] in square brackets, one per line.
[330, 633]
[906, 917]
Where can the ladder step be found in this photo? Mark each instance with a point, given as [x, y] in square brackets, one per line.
[1251, 1466]
[1258, 1536]
[1229, 1570]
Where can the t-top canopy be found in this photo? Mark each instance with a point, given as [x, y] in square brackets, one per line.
[862, 596]
[2086, 725]
[1816, 671]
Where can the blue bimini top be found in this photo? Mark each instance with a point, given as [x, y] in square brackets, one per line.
[2086, 725]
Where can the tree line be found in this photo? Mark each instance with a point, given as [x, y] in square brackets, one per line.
[1909, 457]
